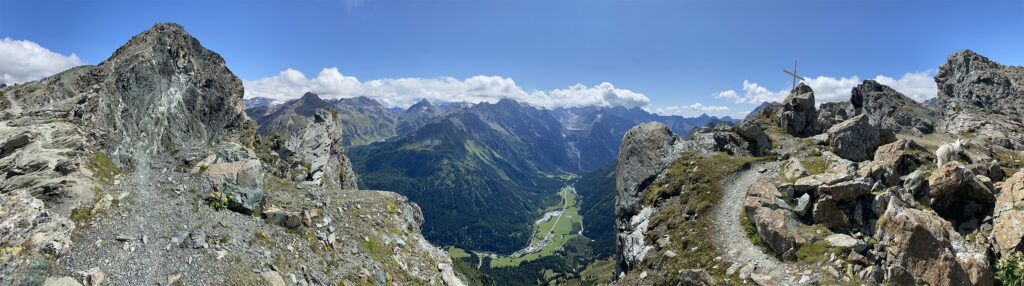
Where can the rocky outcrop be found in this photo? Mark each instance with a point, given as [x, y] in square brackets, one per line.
[854, 139]
[758, 140]
[970, 81]
[1008, 230]
[159, 92]
[319, 148]
[923, 248]
[895, 160]
[831, 113]
[1002, 130]
[772, 217]
[646, 150]
[798, 113]
[721, 138]
[888, 109]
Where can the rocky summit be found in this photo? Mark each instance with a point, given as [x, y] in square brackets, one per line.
[849, 193]
[144, 169]
[971, 81]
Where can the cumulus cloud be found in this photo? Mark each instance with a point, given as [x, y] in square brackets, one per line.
[22, 61]
[603, 94]
[919, 86]
[403, 92]
[830, 89]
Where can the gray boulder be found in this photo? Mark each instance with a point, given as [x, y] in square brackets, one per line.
[238, 175]
[854, 139]
[759, 141]
[798, 113]
[970, 81]
[830, 113]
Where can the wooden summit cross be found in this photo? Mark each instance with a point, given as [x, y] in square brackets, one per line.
[794, 75]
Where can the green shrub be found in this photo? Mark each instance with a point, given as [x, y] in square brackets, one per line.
[1010, 270]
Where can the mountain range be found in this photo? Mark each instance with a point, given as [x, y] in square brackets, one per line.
[455, 159]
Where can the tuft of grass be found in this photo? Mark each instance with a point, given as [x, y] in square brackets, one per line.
[376, 250]
[103, 169]
[752, 234]
[966, 134]
[813, 252]
[392, 207]
[341, 177]
[334, 114]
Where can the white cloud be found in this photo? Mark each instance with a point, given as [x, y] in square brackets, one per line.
[603, 94]
[830, 89]
[22, 61]
[403, 92]
[919, 86]
[703, 108]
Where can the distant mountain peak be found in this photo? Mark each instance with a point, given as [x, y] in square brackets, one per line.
[310, 96]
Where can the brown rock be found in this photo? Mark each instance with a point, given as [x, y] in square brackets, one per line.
[281, 217]
[772, 216]
[1008, 230]
[826, 213]
[929, 250]
[846, 191]
[271, 278]
[956, 185]
[307, 219]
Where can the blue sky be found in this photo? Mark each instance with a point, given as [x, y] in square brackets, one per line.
[666, 56]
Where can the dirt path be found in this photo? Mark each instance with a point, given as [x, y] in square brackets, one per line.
[734, 242]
